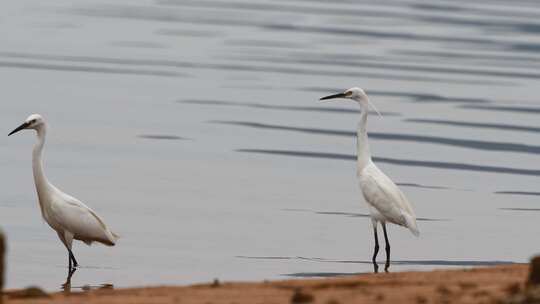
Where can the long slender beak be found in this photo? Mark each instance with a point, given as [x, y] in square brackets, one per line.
[339, 95]
[21, 127]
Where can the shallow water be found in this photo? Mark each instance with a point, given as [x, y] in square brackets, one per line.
[193, 128]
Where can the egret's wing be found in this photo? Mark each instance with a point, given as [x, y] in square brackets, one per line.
[83, 222]
[382, 193]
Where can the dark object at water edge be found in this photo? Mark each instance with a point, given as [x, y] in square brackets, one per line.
[2, 259]
[534, 274]
[300, 297]
[2, 264]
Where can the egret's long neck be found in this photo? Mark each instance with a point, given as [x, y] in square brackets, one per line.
[42, 185]
[363, 153]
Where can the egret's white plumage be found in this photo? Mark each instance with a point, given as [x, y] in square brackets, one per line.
[69, 217]
[385, 200]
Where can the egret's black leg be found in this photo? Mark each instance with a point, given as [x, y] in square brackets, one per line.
[375, 249]
[69, 262]
[72, 257]
[387, 248]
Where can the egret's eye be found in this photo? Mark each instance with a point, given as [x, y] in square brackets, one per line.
[32, 121]
[348, 94]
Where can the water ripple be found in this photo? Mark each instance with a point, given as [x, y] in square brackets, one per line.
[399, 162]
[455, 142]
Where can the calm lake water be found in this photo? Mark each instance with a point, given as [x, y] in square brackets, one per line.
[193, 127]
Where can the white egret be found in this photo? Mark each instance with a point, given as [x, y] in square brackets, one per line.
[385, 200]
[70, 218]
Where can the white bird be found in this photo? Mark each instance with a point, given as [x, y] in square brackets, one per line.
[385, 200]
[70, 218]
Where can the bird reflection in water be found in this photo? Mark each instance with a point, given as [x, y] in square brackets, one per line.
[66, 287]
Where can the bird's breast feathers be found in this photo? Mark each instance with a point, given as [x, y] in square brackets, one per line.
[381, 193]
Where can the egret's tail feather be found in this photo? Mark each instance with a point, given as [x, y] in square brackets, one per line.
[113, 238]
[411, 224]
[415, 231]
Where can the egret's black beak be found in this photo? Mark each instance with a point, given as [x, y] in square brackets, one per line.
[340, 95]
[21, 127]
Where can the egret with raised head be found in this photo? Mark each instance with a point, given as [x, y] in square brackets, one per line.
[386, 202]
[70, 218]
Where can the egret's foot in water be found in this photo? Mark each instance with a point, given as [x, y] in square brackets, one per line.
[66, 287]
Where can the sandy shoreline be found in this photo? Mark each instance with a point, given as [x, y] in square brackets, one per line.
[478, 285]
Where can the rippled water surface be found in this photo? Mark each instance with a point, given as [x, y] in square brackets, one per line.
[193, 128]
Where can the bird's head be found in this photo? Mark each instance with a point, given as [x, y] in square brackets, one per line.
[34, 121]
[356, 94]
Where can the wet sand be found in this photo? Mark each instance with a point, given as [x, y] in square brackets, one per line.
[496, 284]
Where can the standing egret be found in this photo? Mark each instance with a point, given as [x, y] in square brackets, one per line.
[385, 201]
[70, 218]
